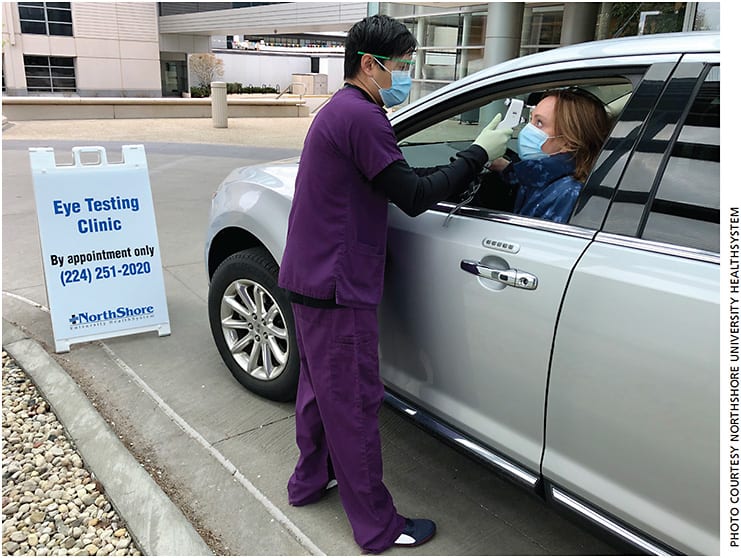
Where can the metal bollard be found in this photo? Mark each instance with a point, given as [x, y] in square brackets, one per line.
[219, 114]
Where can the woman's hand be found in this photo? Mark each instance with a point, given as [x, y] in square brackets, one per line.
[498, 164]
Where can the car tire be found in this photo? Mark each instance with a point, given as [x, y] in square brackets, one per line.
[252, 324]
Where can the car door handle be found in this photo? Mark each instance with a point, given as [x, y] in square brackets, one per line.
[510, 277]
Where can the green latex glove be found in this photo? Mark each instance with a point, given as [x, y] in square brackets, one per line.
[494, 142]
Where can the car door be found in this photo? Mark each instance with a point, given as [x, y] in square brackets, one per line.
[472, 349]
[632, 415]
[475, 351]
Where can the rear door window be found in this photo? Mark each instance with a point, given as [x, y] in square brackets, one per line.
[670, 191]
[686, 208]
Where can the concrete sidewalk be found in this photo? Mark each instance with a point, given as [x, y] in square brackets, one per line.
[158, 526]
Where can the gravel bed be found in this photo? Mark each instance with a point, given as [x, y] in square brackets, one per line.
[52, 505]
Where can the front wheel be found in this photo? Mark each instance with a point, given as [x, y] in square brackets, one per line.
[252, 324]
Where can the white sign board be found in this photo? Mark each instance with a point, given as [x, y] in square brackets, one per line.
[99, 246]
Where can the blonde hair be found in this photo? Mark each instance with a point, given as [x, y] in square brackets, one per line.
[581, 120]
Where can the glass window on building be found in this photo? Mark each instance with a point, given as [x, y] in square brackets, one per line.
[46, 18]
[452, 36]
[541, 29]
[437, 52]
[50, 74]
[624, 19]
[451, 42]
[628, 19]
[705, 16]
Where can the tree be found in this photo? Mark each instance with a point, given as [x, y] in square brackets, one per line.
[206, 67]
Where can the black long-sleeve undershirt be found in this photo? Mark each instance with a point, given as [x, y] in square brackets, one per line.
[415, 190]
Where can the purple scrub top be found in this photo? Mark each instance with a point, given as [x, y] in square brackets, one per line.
[336, 243]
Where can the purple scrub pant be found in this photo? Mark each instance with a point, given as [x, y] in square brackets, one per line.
[337, 405]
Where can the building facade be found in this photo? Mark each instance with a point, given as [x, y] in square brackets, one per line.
[81, 48]
[141, 49]
[457, 39]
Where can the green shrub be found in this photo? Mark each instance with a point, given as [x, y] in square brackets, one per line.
[260, 89]
[231, 88]
[200, 91]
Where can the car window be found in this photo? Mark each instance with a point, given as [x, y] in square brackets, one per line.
[686, 208]
[435, 144]
[442, 139]
[598, 194]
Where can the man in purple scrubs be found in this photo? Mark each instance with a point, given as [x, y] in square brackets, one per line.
[333, 268]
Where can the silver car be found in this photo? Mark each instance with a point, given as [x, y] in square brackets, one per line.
[579, 359]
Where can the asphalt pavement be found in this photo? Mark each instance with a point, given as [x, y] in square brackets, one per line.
[218, 457]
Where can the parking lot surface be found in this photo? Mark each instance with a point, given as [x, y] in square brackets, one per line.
[219, 453]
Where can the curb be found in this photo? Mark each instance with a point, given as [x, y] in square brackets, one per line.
[155, 523]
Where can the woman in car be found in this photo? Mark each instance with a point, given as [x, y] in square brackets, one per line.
[557, 149]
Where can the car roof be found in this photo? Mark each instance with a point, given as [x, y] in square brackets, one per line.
[664, 43]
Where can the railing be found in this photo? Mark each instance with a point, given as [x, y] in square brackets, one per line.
[291, 86]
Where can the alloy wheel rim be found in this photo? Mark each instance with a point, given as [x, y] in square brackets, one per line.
[254, 329]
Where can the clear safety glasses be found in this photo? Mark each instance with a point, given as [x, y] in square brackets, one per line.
[404, 64]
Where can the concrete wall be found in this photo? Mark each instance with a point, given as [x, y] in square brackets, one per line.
[334, 68]
[59, 108]
[184, 43]
[251, 68]
[289, 17]
[254, 69]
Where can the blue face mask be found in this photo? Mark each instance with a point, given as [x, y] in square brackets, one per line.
[530, 141]
[401, 85]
